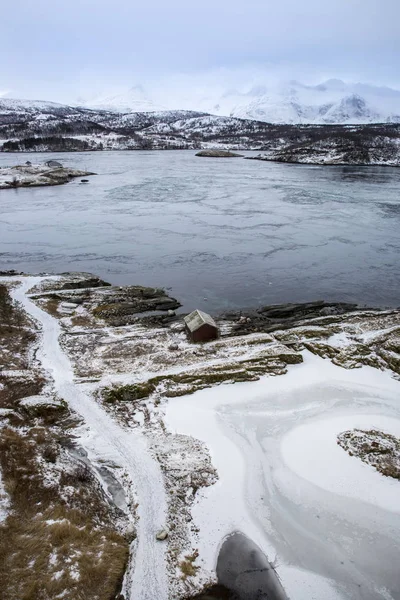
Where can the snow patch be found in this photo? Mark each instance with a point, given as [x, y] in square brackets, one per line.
[4, 501]
[248, 470]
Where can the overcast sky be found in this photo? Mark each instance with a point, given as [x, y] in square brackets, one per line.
[79, 48]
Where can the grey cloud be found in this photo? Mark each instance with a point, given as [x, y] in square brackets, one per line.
[60, 50]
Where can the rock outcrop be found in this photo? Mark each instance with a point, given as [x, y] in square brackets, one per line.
[377, 448]
[37, 175]
[284, 316]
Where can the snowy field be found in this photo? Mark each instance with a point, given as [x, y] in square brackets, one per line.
[333, 521]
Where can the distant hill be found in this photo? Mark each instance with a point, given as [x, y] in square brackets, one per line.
[36, 126]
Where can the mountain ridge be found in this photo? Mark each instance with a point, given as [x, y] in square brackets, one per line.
[332, 101]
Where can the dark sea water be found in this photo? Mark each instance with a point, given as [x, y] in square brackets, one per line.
[238, 233]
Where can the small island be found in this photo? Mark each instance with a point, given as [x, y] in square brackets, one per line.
[28, 175]
[216, 153]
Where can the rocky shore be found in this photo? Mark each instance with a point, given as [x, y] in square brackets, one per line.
[284, 316]
[340, 150]
[129, 360]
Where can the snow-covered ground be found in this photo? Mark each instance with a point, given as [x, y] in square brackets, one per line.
[105, 440]
[379, 152]
[332, 521]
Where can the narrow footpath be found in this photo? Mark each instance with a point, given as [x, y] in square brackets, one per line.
[146, 578]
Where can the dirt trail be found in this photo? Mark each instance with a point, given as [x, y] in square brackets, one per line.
[146, 578]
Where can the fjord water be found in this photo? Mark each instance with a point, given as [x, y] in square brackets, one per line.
[220, 233]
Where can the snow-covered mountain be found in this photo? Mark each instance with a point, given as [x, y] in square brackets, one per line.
[32, 109]
[330, 102]
[135, 99]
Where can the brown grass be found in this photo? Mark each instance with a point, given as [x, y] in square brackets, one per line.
[51, 306]
[59, 539]
[187, 565]
[83, 321]
[16, 332]
[83, 538]
[99, 311]
[45, 557]
[15, 388]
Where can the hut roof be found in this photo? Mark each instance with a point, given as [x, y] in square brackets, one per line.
[197, 318]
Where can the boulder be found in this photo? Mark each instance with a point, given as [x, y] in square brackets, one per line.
[54, 163]
[162, 535]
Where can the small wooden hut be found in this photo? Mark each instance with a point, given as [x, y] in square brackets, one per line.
[201, 327]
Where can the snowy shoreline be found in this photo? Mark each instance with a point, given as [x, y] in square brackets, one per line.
[206, 458]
